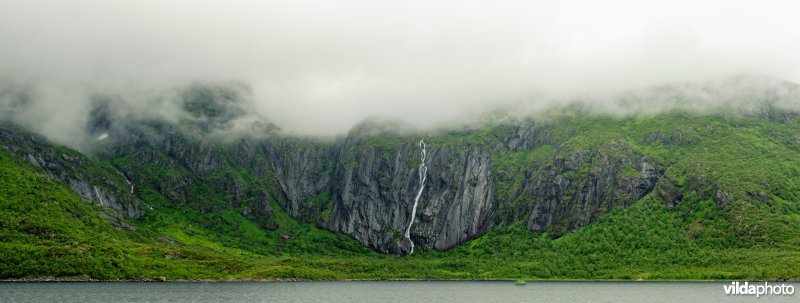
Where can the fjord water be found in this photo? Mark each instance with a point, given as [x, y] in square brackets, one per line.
[392, 291]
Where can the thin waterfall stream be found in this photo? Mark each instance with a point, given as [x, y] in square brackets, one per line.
[423, 172]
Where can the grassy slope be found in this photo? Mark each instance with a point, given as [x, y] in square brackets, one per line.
[46, 230]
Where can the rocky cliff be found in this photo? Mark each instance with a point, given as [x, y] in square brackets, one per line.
[551, 175]
[362, 185]
[94, 181]
[368, 187]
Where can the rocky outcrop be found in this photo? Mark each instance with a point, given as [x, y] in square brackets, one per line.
[303, 169]
[570, 192]
[100, 184]
[364, 186]
[526, 135]
[195, 171]
[212, 154]
[132, 208]
[374, 190]
[460, 204]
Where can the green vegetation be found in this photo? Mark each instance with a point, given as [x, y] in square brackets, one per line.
[46, 230]
[751, 164]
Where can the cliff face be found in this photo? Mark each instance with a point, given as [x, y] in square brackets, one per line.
[93, 181]
[303, 169]
[374, 188]
[362, 185]
[367, 190]
[186, 170]
[551, 177]
[571, 192]
[365, 186]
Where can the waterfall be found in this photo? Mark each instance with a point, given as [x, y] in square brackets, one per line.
[129, 183]
[423, 172]
[99, 197]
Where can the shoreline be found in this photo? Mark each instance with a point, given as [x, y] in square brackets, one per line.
[235, 280]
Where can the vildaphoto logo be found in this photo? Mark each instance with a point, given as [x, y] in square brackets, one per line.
[758, 289]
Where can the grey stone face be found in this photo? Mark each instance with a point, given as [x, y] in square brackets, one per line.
[363, 190]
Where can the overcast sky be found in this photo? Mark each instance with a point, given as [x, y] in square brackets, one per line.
[321, 66]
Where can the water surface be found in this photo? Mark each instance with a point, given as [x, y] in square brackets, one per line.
[390, 291]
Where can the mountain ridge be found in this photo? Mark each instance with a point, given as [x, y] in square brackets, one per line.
[727, 181]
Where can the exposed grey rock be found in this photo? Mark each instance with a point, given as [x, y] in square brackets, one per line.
[372, 187]
[105, 198]
[109, 187]
[572, 192]
[303, 169]
[364, 185]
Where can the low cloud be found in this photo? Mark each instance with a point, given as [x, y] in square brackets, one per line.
[319, 67]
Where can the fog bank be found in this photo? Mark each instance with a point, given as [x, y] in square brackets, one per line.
[319, 67]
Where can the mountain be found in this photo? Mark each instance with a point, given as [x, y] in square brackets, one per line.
[216, 192]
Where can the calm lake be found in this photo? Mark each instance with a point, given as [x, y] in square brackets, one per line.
[405, 292]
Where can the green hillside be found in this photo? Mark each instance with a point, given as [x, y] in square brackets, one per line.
[726, 207]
